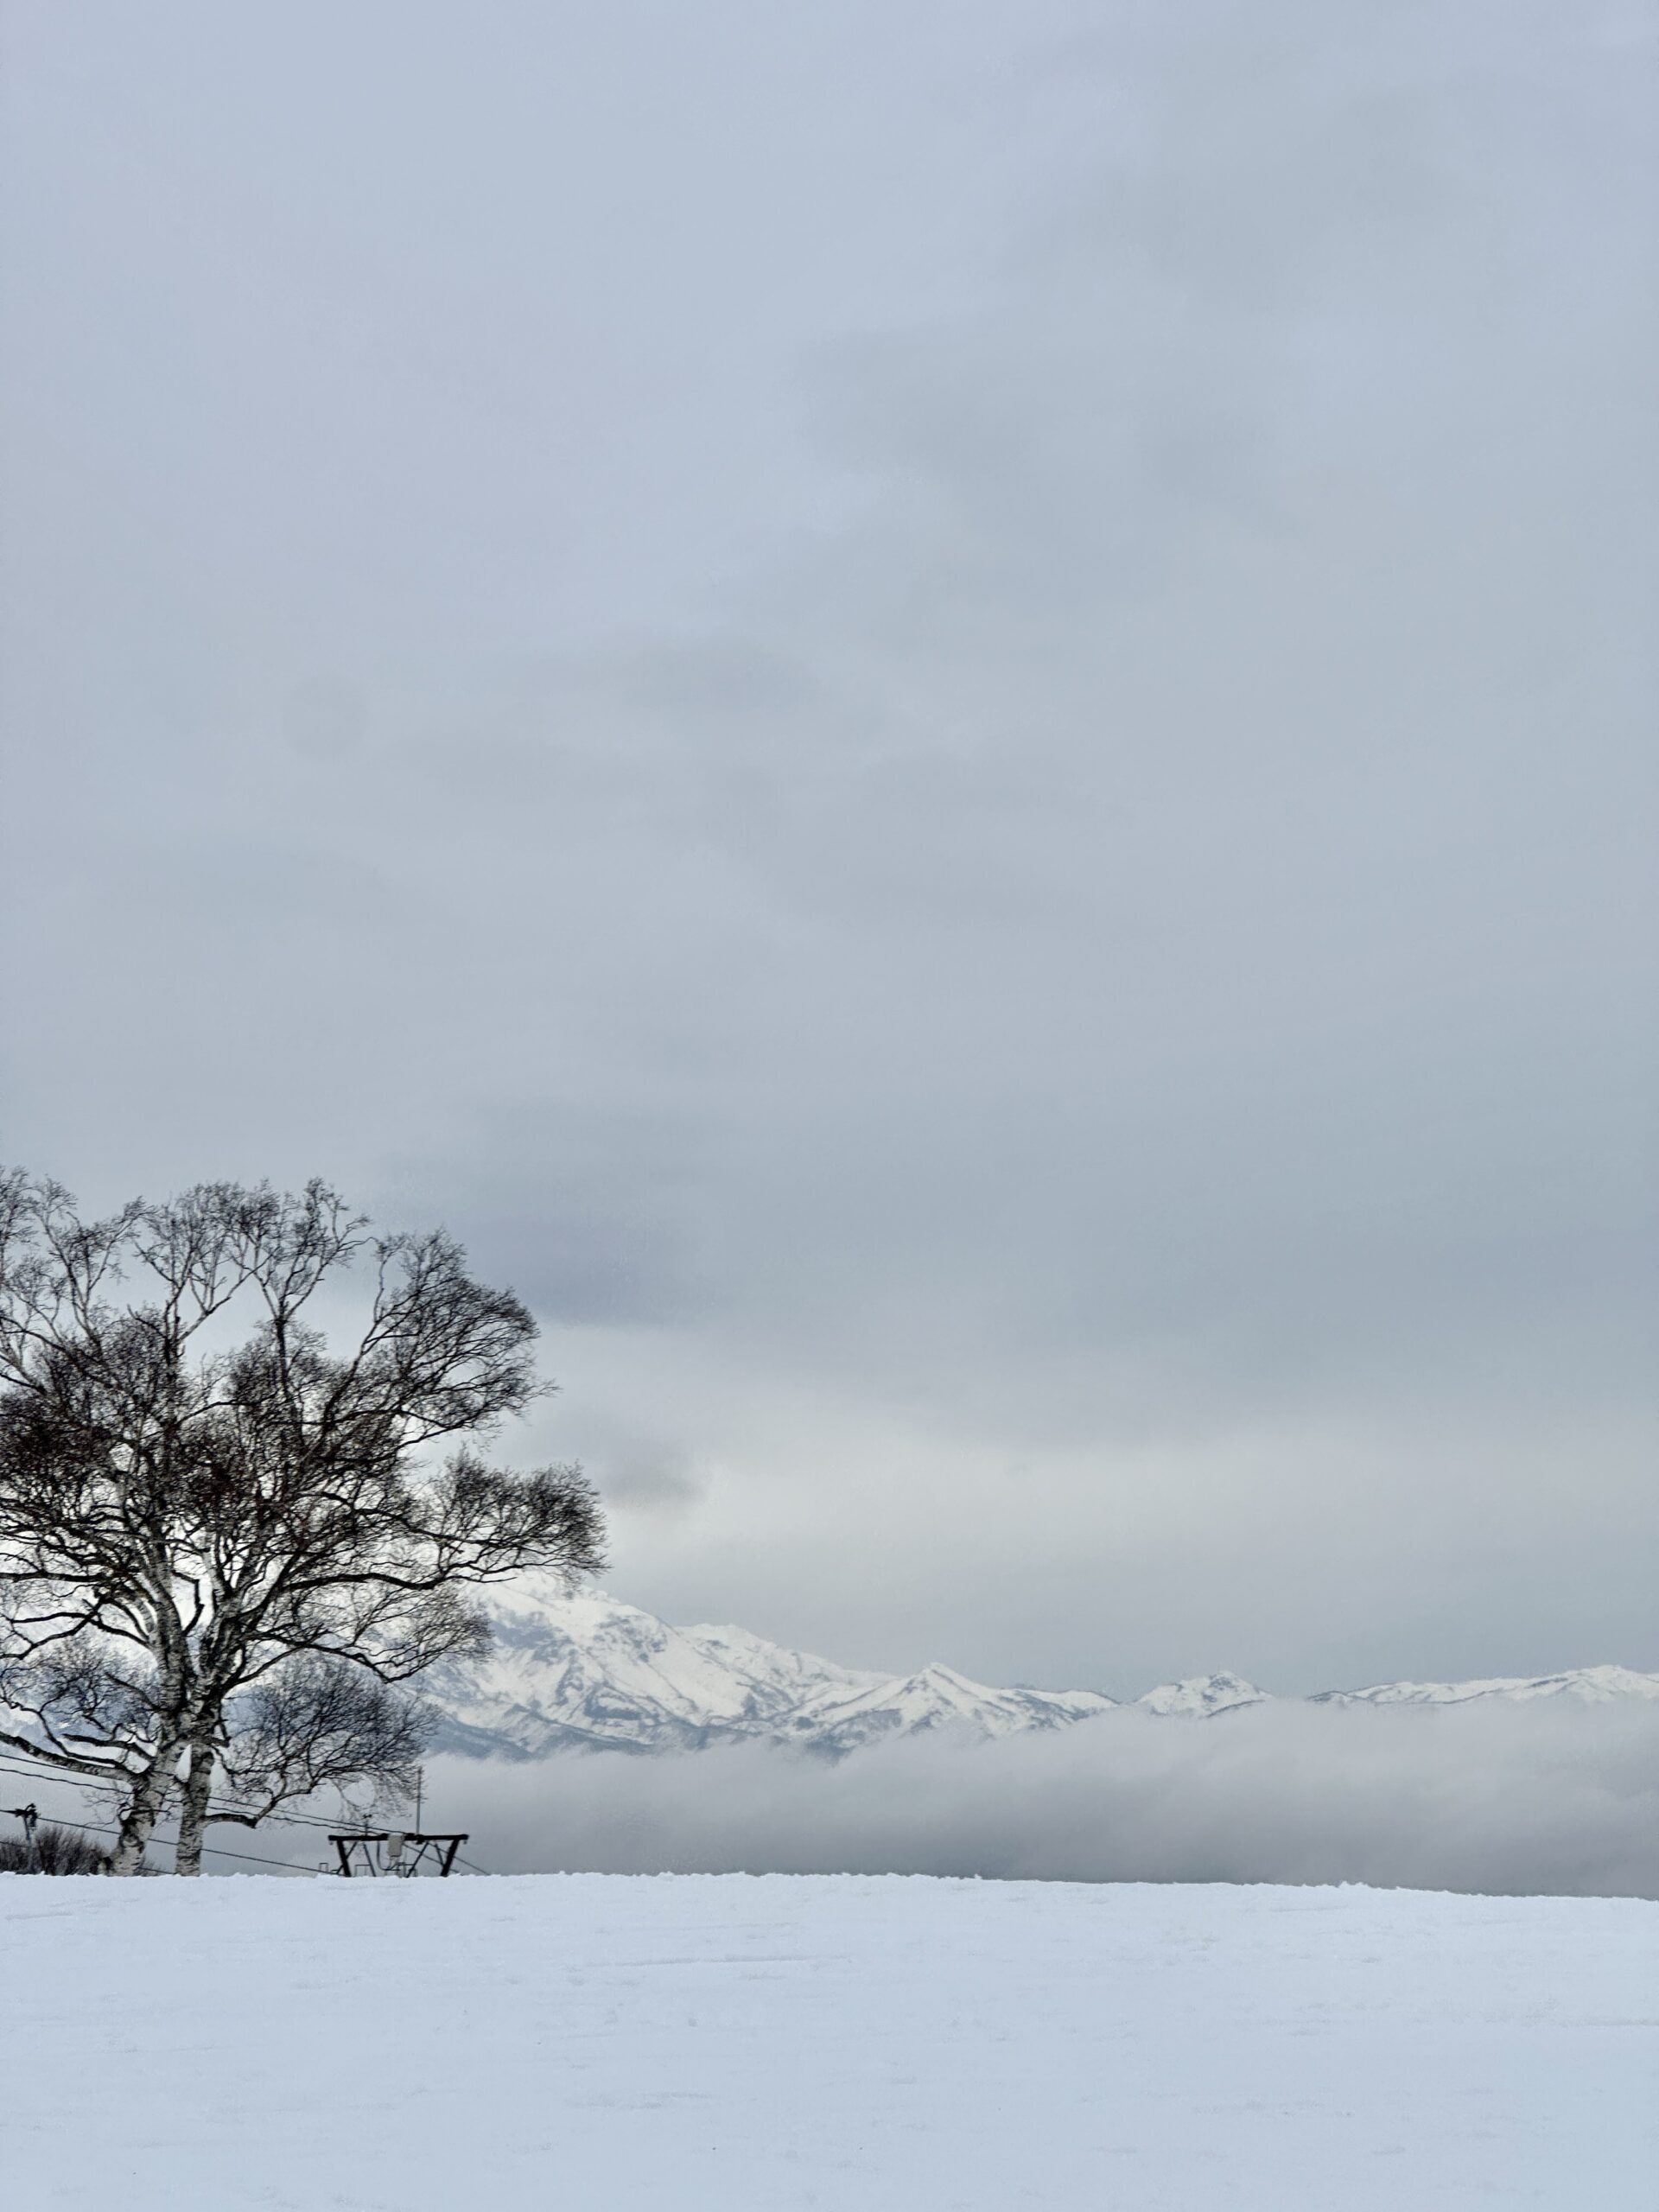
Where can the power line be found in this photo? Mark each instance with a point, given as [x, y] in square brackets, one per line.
[219, 1850]
[41, 1770]
[34, 1770]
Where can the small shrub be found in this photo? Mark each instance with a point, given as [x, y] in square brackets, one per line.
[57, 1850]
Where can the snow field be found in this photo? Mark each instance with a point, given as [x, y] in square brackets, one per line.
[883, 2045]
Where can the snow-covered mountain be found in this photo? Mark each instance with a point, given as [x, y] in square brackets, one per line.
[578, 1669]
[574, 1670]
[581, 1670]
[937, 1697]
[1579, 1686]
[1201, 1696]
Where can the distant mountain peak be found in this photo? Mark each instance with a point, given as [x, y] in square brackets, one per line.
[583, 1670]
[1200, 1695]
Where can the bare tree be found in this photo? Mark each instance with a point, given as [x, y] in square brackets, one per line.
[314, 1724]
[222, 1546]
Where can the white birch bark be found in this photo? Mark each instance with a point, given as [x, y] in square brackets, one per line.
[193, 1819]
[143, 1809]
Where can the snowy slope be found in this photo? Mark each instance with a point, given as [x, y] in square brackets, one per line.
[1579, 1686]
[848, 2045]
[1200, 1695]
[583, 1669]
[571, 1671]
[781, 1681]
[935, 1698]
[574, 1670]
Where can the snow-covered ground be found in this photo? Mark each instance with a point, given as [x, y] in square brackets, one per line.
[851, 2044]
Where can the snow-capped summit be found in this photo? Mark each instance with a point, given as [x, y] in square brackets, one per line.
[937, 1698]
[573, 1669]
[569, 1669]
[1200, 1695]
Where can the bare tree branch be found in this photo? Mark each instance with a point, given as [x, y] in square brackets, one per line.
[221, 1544]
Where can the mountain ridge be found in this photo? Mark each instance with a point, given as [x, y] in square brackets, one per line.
[575, 1670]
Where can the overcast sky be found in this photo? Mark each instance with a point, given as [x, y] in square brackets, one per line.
[943, 716]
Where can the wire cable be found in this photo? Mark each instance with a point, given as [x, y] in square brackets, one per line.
[41, 1770]
[101, 1828]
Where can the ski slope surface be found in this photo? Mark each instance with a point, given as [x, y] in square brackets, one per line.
[739, 2044]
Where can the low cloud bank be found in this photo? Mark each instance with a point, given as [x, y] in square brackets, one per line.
[1500, 1799]
[1491, 1798]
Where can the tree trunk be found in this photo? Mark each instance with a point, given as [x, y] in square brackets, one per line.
[192, 1820]
[144, 1809]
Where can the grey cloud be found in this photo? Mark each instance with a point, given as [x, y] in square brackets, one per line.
[1496, 1802]
[996, 799]
[655, 1482]
[1487, 1799]
[589, 1205]
[1183, 916]
[637, 1466]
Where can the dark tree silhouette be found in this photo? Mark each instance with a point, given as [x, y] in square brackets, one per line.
[222, 1545]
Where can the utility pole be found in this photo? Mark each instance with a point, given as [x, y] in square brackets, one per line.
[30, 1818]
